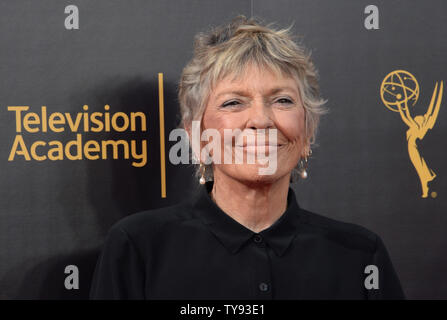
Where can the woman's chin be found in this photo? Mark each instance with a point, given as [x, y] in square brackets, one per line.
[257, 174]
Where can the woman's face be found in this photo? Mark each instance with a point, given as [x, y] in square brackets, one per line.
[257, 100]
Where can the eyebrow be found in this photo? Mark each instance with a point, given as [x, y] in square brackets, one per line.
[245, 94]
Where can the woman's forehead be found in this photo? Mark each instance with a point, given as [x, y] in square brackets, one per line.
[255, 79]
[247, 71]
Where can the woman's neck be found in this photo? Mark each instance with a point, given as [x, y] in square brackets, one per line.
[255, 206]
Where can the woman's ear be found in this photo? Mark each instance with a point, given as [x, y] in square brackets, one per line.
[194, 138]
[187, 128]
[306, 150]
[188, 131]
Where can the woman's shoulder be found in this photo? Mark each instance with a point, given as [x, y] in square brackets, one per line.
[344, 233]
[148, 222]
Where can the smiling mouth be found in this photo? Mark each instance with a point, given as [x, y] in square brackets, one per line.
[258, 145]
[256, 148]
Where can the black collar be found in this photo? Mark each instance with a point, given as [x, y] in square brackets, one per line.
[233, 235]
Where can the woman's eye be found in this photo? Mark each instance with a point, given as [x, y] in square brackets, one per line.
[284, 101]
[230, 103]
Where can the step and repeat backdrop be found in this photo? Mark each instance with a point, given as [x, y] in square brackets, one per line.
[88, 98]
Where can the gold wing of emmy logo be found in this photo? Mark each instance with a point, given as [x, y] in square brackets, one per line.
[399, 91]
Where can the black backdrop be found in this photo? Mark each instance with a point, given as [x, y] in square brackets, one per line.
[57, 213]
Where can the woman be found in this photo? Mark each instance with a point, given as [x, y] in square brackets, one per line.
[244, 236]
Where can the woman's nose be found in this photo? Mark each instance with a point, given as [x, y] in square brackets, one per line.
[260, 116]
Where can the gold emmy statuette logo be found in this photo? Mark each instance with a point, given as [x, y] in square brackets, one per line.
[399, 91]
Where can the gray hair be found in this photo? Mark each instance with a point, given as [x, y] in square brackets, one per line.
[228, 49]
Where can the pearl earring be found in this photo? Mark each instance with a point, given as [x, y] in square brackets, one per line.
[202, 177]
[303, 172]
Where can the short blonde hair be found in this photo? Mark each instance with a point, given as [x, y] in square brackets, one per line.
[228, 49]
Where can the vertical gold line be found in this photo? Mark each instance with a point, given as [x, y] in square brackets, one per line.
[162, 134]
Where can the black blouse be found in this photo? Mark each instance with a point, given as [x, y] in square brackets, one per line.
[194, 250]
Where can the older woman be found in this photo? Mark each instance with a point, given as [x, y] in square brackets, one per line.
[244, 236]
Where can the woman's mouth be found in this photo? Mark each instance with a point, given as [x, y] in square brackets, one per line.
[253, 148]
